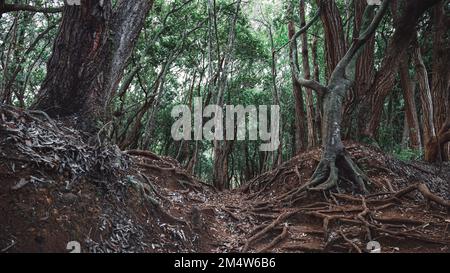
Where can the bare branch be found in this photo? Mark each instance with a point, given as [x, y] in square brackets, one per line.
[301, 31]
[309, 83]
[20, 7]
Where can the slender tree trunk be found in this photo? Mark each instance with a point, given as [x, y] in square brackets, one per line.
[82, 76]
[277, 155]
[318, 110]
[410, 105]
[307, 75]
[429, 132]
[300, 126]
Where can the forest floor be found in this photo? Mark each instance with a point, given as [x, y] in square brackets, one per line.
[59, 186]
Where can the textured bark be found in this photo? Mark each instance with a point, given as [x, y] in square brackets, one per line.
[311, 139]
[434, 143]
[440, 73]
[441, 59]
[89, 55]
[316, 77]
[277, 155]
[357, 105]
[397, 46]
[300, 125]
[410, 105]
[335, 46]
[429, 132]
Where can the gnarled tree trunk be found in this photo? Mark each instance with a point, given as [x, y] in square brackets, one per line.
[335, 161]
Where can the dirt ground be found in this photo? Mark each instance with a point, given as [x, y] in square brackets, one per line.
[57, 187]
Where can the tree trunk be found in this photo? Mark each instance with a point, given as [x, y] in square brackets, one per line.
[410, 105]
[318, 110]
[398, 44]
[335, 46]
[433, 142]
[357, 105]
[440, 73]
[335, 161]
[278, 154]
[307, 75]
[90, 52]
[296, 88]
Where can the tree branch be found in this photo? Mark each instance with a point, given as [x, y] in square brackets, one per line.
[20, 7]
[309, 83]
[301, 31]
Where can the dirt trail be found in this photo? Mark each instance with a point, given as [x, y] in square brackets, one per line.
[56, 188]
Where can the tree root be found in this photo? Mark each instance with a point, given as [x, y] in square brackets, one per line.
[350, 242]
[327, 174]
[284, 234]
[268, 228]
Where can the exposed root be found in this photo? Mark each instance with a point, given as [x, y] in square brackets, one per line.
[284, 234]
[328, 172]
[350, 242]
[268, 228]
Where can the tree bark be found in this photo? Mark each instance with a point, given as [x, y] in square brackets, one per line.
[410, 105]
[89, 55]
[316, 77]
[307, 75]
[277, 155]
[433, 142]
[296, 88]
[357, 105]
[335, 46]
[440, 73]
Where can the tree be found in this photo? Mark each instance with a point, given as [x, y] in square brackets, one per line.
[307, 75]
[223, 148]
[440, 81]
[334, 159]
[299, 133]
[94, 43]
[398, 44]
